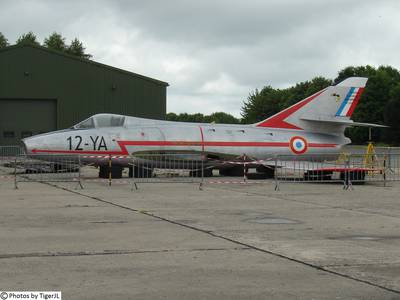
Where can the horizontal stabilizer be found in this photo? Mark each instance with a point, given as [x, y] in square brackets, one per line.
[346, 122]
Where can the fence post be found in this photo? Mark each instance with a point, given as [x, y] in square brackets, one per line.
[347, 180]
[109, 170]
[384, 170]
[15, 173]
[244, 168]
[133, 174]
[202, 173]
[79, 171]
[276, 174]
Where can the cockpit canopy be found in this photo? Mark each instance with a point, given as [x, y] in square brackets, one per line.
[101, 121]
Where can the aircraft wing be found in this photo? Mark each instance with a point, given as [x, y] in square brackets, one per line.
[327, 166]
[289, 164]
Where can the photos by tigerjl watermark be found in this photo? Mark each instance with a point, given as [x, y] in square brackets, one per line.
[38, 295]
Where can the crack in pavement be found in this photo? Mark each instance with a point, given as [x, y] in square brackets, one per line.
[251, 247]
[361, 264]
[112, 252]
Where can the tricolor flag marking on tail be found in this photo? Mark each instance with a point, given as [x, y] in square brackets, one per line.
[349, 103]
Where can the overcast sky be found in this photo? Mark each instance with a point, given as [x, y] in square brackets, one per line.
[213, 53]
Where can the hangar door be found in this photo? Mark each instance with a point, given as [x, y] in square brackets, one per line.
[21, 118]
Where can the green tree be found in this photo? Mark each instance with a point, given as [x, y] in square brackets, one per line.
[217, 117]
[27, 38]
[3, 41]
[392, 117]
[76, 48]
[185, 117]
[305, 89]
[171, 116]
[373, 102]
[56, 42]
[262, 104]
[267, 102]
[221, 118]
[350, 71]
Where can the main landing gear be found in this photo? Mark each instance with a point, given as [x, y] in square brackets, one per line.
[115, 171]
[138, 172]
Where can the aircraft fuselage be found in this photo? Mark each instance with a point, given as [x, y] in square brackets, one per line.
[219, 141]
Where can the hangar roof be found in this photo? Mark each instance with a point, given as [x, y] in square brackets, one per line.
[87, 61]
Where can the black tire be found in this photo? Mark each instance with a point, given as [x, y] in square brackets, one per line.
[200, 173]
[317, 176]
[268, 172]
[130, 172]
[355, 177]
[116, 172]
[232, 171]
[138, 172]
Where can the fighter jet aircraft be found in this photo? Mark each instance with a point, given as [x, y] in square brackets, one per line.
[314, 125]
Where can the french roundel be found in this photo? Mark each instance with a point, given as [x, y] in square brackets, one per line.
[298, 145]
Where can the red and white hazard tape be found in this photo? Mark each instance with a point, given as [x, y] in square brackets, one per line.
[106, 156]
[232, 182]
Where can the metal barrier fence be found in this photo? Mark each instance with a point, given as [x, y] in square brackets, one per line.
[50, 168]
[346, 169]
[174, 167]
[8, 153]
[7, 158]
[191, 168]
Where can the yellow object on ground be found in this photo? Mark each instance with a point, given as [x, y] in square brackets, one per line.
[370, 158]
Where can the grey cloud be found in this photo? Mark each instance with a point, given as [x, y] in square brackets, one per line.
[198, 46]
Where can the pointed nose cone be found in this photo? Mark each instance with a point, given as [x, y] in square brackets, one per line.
[34, 143]
[24, 147]
[29, 145]
[45, 143]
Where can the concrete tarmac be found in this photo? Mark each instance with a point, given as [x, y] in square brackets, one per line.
[173, 241]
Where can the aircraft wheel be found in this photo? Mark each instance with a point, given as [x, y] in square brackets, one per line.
[138, 172]
[130, 174]
[267, 172]
[355, 177]
[116, 172]
[232, 171]
[317, 176]
[199, 173]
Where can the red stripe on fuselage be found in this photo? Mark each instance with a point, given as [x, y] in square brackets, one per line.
[202, 138]
[316, 145]
[202, 144]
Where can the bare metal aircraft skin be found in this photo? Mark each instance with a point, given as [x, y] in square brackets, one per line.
[314, 125]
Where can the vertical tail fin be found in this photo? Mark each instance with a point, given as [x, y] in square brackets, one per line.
[334, 104]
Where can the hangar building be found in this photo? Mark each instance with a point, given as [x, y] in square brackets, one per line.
[43, 90]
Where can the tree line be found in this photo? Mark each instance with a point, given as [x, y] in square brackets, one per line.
[217, 117]
[380, 103]
[55, 41]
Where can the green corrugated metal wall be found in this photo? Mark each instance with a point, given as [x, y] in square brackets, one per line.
[81, 88]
